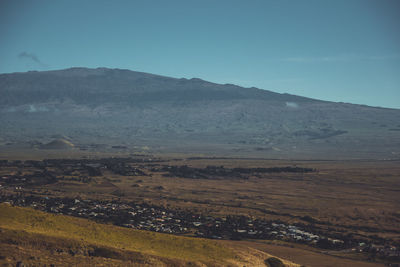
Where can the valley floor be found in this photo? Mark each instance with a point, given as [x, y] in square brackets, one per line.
[314, 213]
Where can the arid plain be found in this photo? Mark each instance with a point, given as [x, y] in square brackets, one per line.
[356, 199]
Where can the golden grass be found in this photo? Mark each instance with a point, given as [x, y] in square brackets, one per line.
[163, 245]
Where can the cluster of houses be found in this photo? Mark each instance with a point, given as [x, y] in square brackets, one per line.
[155, 218]
[160, 219]
[380, 251]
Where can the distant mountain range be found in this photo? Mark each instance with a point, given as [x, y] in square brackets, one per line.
[101, 108]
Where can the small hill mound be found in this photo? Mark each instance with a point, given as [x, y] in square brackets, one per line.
[58, 144]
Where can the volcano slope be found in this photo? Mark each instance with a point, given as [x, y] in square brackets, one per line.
[104, 108]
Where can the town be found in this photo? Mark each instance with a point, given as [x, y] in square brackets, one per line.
[143, 216]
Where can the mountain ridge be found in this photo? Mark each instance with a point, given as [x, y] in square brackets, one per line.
[103, 70]
[114, 106]
[122, 80]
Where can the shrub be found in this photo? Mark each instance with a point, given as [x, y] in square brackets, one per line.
[274, 262]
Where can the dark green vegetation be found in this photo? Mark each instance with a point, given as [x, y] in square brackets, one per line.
[274, 262]
[219, 172]
[111, 110]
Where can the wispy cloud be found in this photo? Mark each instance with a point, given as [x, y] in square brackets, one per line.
[340, 58]
[314, 59]
[31, 57]
[388, 57]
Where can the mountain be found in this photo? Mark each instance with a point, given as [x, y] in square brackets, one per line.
[122, 108]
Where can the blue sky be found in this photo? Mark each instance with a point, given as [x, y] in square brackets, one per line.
[342, 50]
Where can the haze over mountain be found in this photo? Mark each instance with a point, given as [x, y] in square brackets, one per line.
[124, 108]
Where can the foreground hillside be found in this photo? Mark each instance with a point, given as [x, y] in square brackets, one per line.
[105, 109]
[34, 237]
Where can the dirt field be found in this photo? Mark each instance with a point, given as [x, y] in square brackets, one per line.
[303, 256]
[352, 193]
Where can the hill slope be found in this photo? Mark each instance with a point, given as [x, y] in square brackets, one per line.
[114, 107]
[66, 240]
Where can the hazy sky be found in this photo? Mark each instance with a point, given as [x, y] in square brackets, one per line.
[335, 50]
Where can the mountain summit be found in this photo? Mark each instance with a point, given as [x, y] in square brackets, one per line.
[114, 107]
